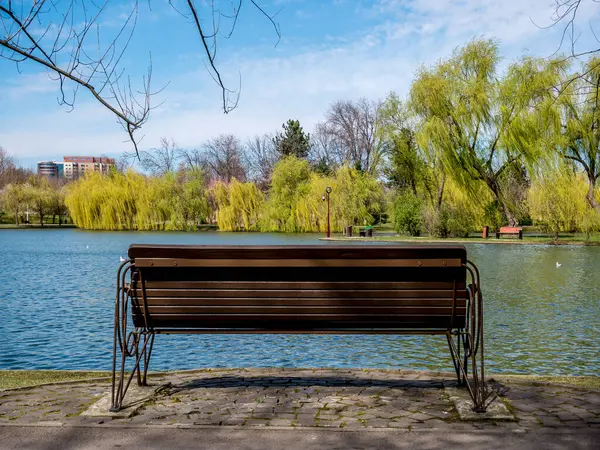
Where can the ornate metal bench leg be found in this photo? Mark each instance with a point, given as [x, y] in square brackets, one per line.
[147, 355]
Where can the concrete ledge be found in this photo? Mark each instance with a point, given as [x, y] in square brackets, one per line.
[497, 411]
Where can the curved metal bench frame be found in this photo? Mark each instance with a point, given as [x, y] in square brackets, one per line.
[465, 344]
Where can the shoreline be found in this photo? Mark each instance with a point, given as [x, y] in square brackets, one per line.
[527, 240]
[493, 241]
[16, 379]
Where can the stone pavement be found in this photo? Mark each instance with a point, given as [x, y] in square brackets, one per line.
[341, 399]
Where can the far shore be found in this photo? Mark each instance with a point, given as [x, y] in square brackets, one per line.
[386, 236]
[471, 240]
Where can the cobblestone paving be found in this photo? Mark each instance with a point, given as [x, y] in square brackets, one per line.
[341, 399]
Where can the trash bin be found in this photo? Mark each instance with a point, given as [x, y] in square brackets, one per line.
[369, 231]
[485, 233]
[362, 233]
[349, 231]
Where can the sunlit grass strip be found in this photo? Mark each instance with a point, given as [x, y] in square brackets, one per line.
[11, 379]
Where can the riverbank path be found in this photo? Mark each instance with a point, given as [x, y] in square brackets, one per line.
[300, 408]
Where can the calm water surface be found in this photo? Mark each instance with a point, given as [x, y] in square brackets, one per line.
[57, 294]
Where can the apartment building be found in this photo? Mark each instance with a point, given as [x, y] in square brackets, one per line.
[72, 167]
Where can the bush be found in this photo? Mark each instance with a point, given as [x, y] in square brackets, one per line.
[493, 216]
[408, 215]
[448, 222]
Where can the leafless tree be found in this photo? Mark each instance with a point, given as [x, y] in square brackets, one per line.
[261, 156]
[191, 159]
[60, 35]
[67, 38]
[162, 160]
[224, 156]
[10, 172]
[566, 14]
[325, 146]
[352, 127]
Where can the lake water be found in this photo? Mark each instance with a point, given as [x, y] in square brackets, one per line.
[57, 299]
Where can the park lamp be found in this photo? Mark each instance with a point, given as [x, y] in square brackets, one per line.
[326, 197]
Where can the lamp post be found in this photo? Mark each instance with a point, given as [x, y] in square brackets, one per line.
[326, 197]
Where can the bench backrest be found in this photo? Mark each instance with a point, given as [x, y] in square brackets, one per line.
[298, 288]
[510, 229]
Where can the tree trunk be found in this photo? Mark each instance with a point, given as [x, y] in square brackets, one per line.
[591, 198]
[495, 188]
[441, 193]
[555, 235]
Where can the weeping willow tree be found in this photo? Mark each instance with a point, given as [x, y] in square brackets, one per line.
[290, 183]
[482, 124]
[557, 201]
[238, 205]
[131, 201]
[105, 203]
[295, 203]
[580, 133]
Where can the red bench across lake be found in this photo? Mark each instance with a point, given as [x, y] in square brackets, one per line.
[510, 231]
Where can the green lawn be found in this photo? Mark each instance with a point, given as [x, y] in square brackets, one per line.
[10, 379]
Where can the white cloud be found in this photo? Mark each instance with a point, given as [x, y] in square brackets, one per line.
[301, 84]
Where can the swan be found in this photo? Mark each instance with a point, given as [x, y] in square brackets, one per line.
[558, 264]
[122, 259]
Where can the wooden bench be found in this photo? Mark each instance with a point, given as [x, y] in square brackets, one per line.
[430, 290]
[510, 231]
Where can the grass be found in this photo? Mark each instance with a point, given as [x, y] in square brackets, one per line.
[12, 226]
[587, 382]
[10, 379]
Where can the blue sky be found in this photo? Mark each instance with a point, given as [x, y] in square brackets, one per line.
[329, 50]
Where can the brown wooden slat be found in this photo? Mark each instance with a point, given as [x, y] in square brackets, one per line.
[322, 285]
[251, 262]
[442, 322]
[335, 317]
[348, 293]
[312, 330]
[183, 301]
[286, 310]
[298, 251]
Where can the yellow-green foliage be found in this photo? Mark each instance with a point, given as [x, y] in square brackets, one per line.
[132, 201]
[296, 205]
[289, 186]
[557, 201]
[238, 205]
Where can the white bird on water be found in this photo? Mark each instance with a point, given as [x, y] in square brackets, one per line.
[558, 264]
[122, 259]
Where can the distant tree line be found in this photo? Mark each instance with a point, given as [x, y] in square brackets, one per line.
[468, 147]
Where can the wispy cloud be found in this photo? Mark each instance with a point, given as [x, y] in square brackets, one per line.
[295, 81]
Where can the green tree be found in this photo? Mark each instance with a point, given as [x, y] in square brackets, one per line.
[289, 183]
[238, 205]
[557, 201]
[410, 166]
[293, 141]
[40, 197]
[14, 198]
[408, 214]
[481, 124]
[580, 132]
